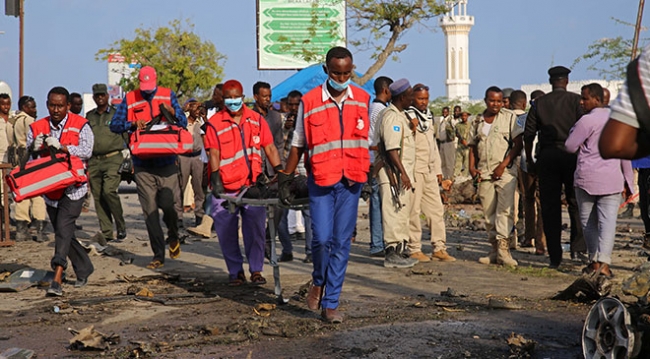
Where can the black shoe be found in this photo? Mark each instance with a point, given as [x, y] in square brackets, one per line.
[308, 259]
[121, 235]
[80, 282]
[286, 257]
[554, 266]
[394, 259]
[380, 254]
[54, 290]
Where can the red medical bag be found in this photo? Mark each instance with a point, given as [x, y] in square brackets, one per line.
[173, 140]
[48, 176]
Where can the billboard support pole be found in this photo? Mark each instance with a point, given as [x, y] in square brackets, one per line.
[21, 52]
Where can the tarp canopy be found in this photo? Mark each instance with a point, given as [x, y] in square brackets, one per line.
[306, 79]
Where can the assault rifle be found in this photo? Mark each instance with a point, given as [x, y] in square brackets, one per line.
[391, 171]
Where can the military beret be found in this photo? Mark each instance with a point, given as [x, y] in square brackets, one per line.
[558, 71]
[399, 86]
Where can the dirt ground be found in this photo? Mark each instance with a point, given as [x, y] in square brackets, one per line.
[435, 310]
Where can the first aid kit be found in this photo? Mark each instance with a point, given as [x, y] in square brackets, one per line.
[48, 175]
[161, 139]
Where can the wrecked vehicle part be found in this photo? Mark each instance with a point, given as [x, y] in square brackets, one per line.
[610, 331]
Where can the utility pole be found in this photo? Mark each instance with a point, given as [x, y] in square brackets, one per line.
[21, 51]
[637, 28]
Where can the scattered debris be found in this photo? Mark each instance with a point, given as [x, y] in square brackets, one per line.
[520, 347]
[638, 284]
[452, 293]
[264, 309]
[25, 278]
[440, 303]
[4, 275]
[89, 338]
[17, 353]
[505, 303]
[142, 349]
[419, 305]
[587, 288]
[420, 271]
[144, 292]
[210, 330]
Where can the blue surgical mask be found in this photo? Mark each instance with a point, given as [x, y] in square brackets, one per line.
[234, 104]
[339, 86]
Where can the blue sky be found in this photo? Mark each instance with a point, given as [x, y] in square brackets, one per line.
[513, 42]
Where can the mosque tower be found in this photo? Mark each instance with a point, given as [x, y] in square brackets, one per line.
[456, 25]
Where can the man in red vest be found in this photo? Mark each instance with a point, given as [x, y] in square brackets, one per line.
[65, 132]
[332, 125]
[235, 138]
[157, 178]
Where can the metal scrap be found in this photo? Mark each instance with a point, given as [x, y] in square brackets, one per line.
[89, 338]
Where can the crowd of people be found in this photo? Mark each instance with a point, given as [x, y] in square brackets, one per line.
[392, 151]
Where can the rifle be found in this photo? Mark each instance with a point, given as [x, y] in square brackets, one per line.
[391, 172]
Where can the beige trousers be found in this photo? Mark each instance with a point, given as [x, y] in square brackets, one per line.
[395, 220]
[426, 200]
[498, 201]
[37, 206]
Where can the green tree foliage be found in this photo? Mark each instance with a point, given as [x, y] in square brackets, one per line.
[186, 64]
[386, 21]
[609, 56]
[473, 107]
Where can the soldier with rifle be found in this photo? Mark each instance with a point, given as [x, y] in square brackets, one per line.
[396, 144]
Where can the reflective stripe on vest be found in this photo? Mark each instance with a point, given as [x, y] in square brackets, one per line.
[135, 104]
[320, 109]
[338, 144]
[45, 183]
[240, 155]
[163, 145]
[229, 128]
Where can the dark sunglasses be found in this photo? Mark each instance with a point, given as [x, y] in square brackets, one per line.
[420, 88]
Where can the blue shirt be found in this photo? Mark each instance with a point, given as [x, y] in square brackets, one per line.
[120, 124]
[641, 162]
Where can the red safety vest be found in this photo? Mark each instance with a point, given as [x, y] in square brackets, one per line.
[139, 109]
[337, 140]
[69, 134]
[69, 137]
[237, 167]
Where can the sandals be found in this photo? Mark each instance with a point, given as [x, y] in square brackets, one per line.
[174, 249]
[257, 279]
[238, 281]
[155, 264]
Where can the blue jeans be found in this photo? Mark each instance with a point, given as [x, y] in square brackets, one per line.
[376, 230]
[598, 217]
[285, 237]
[334, 215]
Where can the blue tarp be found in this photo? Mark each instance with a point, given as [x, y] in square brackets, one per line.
[306, 79]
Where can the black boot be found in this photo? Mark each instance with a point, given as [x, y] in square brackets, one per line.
[40, 231]
[628, 213]
[22, 231]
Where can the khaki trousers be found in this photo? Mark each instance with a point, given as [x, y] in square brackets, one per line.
[37, 207]
[498, 201]
[426, 200]
[395, 220]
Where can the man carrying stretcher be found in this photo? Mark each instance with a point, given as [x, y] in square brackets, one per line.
[235, 138]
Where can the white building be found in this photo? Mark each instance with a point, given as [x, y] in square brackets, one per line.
[575, 86]
[456, 25]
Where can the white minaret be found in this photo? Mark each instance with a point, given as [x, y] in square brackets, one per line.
[456, 25]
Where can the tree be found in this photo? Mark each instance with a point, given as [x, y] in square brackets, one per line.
[383, 22]
[183, 62]
[386, 22]
[473, 107]
[609, 56]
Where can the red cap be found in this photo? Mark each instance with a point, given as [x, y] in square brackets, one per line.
[147, 78]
